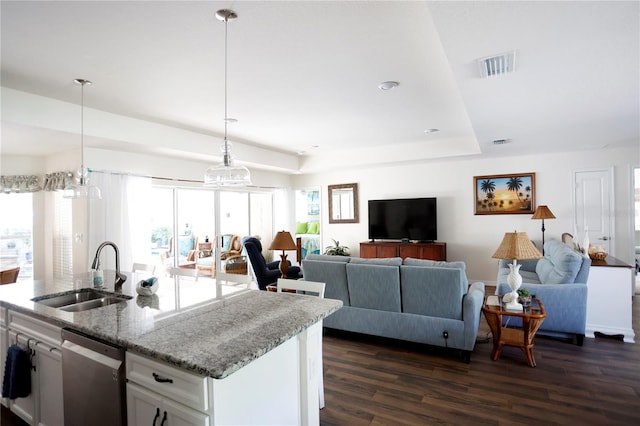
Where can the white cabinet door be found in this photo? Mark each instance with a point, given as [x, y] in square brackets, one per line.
[3, 356]
[143, 406]
[50, 396]
[178, 414]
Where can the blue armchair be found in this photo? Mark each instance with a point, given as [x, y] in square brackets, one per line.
[265, 273]
[560, 281]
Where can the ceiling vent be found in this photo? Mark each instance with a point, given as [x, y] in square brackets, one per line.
[501, 141]
[497, 65]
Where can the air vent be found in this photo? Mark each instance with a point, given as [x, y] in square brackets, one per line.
[501, 141]
[498, 65]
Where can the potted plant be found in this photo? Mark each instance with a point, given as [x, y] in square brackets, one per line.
[524, 297]
[336, 249]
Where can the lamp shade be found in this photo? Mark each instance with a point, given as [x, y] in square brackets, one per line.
[283, 241]
[516, 245]
[543, 212]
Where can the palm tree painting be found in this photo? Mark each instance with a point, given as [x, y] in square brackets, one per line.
[504, 194]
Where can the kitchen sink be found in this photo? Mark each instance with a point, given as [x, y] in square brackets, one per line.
[81, 300]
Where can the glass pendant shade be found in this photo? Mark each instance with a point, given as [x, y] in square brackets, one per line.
[226, 173]
[81, 188]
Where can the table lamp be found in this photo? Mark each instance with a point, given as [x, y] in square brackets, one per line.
[543, 212]
[515, 246]
[283, 241]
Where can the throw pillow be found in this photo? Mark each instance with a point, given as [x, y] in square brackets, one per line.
[301, 227]
[314, 228]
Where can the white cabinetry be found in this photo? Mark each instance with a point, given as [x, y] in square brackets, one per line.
[278, 388]
[3, 348]
[160, 394]
[44, 406]
[145, 407]
[609, 300]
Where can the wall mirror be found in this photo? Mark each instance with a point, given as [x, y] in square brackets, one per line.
[343, 203]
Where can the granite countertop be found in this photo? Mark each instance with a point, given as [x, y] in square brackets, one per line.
[200, 326]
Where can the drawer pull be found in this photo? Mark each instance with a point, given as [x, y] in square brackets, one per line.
[161, 379]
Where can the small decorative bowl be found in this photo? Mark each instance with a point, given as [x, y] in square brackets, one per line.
[147, 287]
[600, 255]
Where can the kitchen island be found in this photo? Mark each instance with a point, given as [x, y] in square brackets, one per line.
[249, 354]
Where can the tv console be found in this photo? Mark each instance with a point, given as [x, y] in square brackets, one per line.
[381, 249]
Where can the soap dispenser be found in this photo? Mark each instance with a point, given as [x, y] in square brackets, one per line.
[98, 277]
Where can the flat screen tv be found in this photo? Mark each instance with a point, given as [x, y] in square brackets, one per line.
[403, 219]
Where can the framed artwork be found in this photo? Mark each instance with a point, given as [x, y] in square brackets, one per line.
[504, 194]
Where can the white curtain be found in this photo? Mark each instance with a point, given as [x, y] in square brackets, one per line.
[123, 217]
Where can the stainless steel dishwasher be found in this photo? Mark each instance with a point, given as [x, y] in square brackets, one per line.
[93, 380]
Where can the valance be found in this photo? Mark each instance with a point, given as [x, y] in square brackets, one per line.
[19, 184]
[56, 181]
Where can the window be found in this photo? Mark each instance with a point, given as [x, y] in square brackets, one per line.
[16, 235]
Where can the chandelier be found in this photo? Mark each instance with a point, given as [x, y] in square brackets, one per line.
[226, 173]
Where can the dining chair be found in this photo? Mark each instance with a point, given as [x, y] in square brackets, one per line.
[315, 287]
[185, 272]
[143, 267]
[310, 288]
[9, 276]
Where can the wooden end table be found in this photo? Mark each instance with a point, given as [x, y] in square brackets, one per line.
[522, 338]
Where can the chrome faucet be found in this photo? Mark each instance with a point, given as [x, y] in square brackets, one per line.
[120, 277]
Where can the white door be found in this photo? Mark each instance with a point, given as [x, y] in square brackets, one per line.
[593, 207]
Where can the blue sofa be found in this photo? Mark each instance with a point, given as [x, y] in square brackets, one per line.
[416, 300]
[559, 280]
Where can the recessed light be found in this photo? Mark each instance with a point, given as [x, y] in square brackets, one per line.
[388, 85]
[431, 131]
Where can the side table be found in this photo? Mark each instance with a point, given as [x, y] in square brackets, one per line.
[523, 338]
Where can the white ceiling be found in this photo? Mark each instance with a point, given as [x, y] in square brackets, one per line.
[305, 74]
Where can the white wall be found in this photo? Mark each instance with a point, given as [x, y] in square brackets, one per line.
[474, 238]
[470, 238]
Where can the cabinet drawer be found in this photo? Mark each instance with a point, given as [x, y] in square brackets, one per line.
[35, 328]
[187, 388]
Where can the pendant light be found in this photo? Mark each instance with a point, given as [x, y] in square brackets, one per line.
[81, 188]
[226, 173]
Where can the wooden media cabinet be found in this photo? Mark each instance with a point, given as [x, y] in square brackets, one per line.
[381, 249]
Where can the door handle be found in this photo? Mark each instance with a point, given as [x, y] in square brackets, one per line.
[605, 238]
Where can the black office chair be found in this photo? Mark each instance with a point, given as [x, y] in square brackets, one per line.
[265, 273]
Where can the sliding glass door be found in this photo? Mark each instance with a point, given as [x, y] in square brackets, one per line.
[186, 234]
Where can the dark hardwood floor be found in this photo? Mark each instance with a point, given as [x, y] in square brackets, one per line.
[371, 381]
